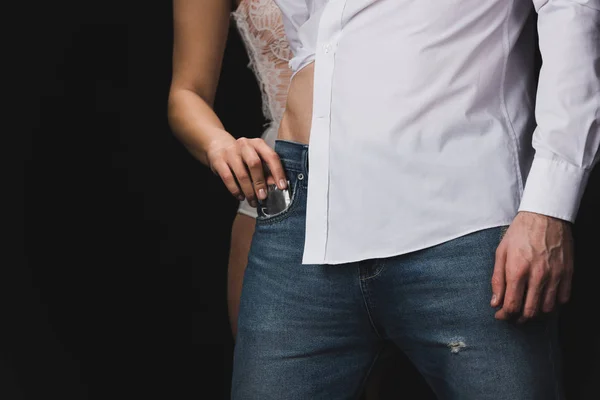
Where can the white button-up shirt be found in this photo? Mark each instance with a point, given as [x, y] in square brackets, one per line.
[425, 120]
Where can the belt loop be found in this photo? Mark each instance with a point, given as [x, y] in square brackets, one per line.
[305, 160]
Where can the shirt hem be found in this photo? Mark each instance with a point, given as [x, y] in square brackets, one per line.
[389, 254]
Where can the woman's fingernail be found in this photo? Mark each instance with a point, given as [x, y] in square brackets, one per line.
[494, 298]
[253, 203]
[282, 184]
[241, 198]
[262, 194]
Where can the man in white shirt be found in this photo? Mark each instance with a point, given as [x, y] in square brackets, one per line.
[434, 171]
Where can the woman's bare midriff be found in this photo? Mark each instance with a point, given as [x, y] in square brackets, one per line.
[296, 121]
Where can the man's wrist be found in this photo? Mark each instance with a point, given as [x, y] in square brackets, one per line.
[549, 218]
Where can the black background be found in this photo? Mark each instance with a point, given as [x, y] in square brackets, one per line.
[120, 222]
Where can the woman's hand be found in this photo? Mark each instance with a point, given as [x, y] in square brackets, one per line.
[241, 165]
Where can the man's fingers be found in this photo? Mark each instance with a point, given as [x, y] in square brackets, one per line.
[559, 288]
[257, 174]
[499, 278]
[516, 275]
[271, 159]
[535, 290]
[550, 294]
[564, 288]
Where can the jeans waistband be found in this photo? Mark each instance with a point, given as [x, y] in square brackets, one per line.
[293, 155]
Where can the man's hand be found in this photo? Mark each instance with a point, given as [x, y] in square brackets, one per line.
[534, 267]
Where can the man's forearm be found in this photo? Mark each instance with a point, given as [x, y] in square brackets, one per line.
[568, 107]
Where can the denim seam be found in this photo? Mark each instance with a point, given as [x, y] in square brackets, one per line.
[366, 295]
[380, 266]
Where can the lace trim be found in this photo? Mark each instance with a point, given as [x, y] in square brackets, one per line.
[260, 25]
[244, 29]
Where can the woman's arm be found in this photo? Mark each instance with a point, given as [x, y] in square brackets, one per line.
[200, 34]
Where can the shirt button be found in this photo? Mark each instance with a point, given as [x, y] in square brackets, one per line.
[326, 48]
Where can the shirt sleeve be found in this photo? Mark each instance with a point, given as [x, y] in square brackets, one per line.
[567, 136]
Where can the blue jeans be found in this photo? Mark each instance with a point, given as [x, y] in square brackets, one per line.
[312, 332]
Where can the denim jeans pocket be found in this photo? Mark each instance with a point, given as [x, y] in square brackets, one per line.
[263, 218]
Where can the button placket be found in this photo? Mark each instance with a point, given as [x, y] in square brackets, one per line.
[317, 225]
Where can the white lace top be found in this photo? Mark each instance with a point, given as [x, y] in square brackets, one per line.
[261, 28]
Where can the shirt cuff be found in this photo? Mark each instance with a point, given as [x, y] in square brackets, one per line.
[554, 188]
